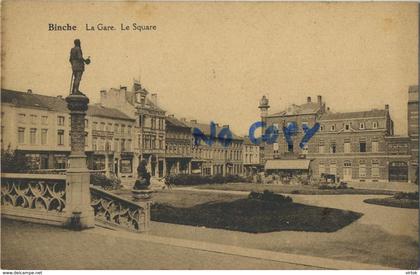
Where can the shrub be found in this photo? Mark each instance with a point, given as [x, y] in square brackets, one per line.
[98, 179]
[269, 196]
[198, 179]
[12, 162]
[407, 196]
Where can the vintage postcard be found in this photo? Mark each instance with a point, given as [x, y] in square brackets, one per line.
[209, 135]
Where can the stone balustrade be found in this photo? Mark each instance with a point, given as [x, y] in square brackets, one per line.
[41, 198]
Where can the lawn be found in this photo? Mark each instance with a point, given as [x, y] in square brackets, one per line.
[292, 189]
[393, 202]
[248, 215]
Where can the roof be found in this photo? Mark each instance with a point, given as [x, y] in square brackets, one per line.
[172, 121]
[247, 141]
[304, 109]
[282, 164]
[350, 115]
[205, 128]
[56, 104]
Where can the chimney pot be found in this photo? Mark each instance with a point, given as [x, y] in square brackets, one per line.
[386, 106]
[29, 91]
[194, 121]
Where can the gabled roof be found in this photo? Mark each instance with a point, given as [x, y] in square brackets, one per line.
[351, 115]
[55, 104]
[303, 109]
[172, 121]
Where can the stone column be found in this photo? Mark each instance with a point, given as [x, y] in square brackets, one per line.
[78, 210]
[189, 168]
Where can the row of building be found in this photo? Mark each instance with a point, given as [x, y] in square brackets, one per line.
[127, 125]
[355, 146]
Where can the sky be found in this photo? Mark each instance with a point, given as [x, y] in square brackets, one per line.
[214, 61]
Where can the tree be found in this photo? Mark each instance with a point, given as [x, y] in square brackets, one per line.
[13, 162]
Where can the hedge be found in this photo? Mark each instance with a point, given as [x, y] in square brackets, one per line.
[198, 179]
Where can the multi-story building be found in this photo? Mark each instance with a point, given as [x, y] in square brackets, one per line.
[355, 146]
[178, 153]
[250, 157]
[413, 129]
[215, 158]
[38, 126]
[150, 123]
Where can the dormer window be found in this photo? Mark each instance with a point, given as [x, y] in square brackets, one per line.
[347, 127]
[322, 128]
[332, 127]
[362, 125]
[375, 125]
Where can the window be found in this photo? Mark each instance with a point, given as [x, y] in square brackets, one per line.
[94, 144]
[305, 149]
[362, 146]
[60, 137]
[375, 125]
[122, 128]
[95, 125]
[333, 148]
[32, 136]
[375, 146]
[60, 120]
[362, 125]
[33, 119]
[347, 147]
[44, 135]
[122, 145]
[332, 127]
[44, 120]
[116, 143]
[276, 147]
[86, 123]
[321, 169]
[347, 127]
[102, 126]
[86, 139]
[109, 127]
[362, 170]
[60, 162]
[116, 128]
[21, 118]
[290, 147]
[129, 130]
[101, 144]
[128, 145]
[375, 168]
[21, 135]
[333, 169]
[321, 147]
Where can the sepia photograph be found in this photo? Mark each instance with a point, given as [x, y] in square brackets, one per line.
[193, 135]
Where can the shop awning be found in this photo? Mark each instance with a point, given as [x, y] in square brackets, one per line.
[287, 164]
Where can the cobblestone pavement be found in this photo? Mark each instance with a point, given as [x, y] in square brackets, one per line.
[32, 246]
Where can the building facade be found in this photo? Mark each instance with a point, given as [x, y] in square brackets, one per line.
[354, 146]
[215, 158]
[178, 146]
[149, 121]
[413, 130]
[251, 157]
[38, 127]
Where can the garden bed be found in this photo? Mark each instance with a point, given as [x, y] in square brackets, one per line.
[255, 215]
[400, 200]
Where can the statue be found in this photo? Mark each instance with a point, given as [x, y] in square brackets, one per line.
[143, 178]
[78, 67]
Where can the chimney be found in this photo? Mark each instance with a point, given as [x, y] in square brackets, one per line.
[173, 116]
[103, 93]
[154, 99]
[29, 91]
[60, 96]
[386, 107]
[308, 99]
[328, 109]
[226, 126]
[124, 88]
[183, 119]
[319, 101]
[194, 121]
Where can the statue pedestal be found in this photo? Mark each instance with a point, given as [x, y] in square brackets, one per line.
[78, 209]
[141, 194]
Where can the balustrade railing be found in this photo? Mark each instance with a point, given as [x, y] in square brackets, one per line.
[113, 210]
[34, 197]
[42, 198]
